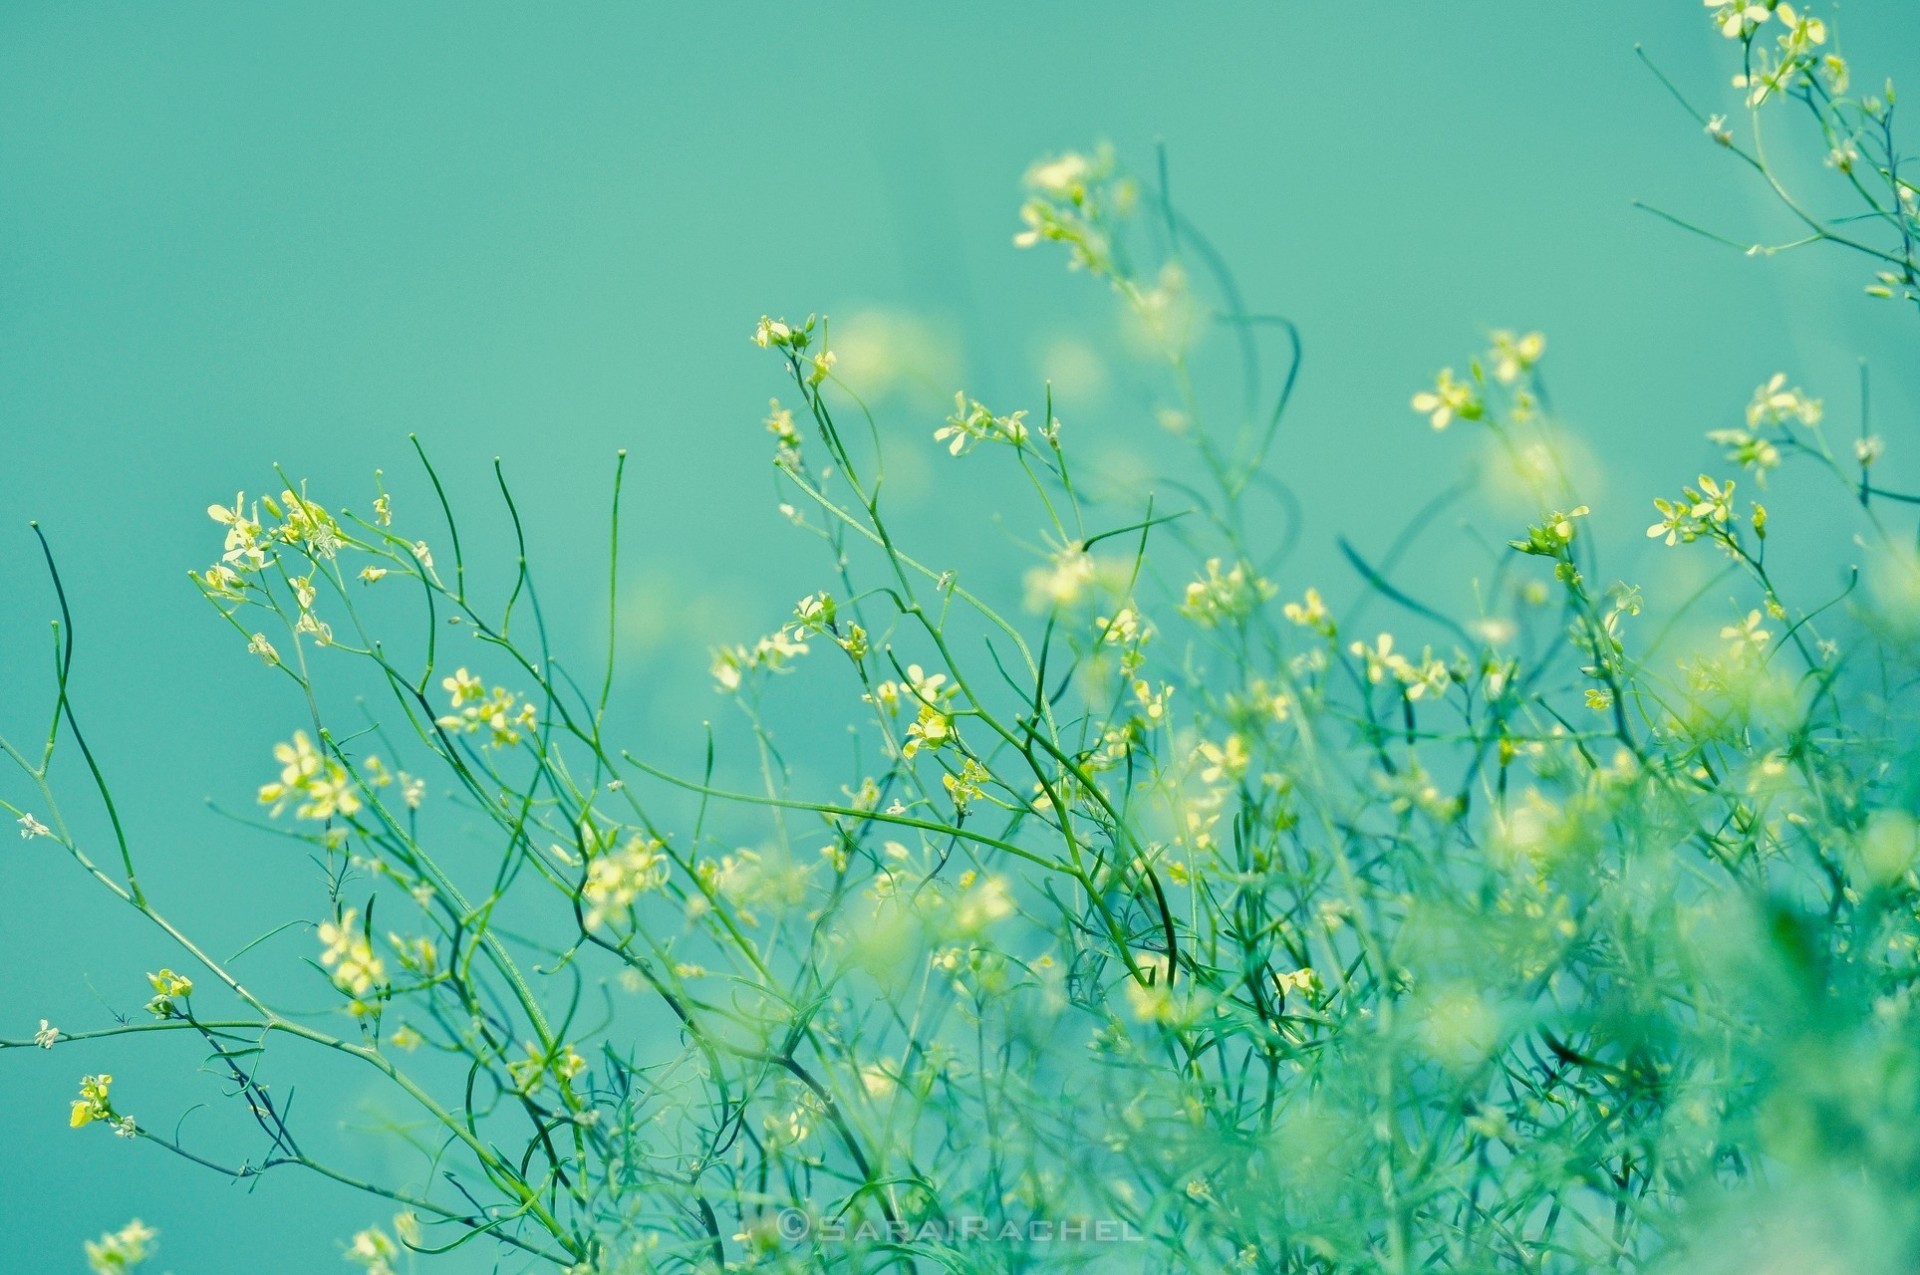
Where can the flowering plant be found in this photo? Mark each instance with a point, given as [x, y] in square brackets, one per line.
[1180, 911]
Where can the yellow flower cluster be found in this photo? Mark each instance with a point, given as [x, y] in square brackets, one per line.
[1219, 597]
[1791, 62]
[249, 540]
[355, 968]
[169, 989]
[972, 424]
[120, 1251]
[1512, 357]
[318, 783]
[1310, 612]
[375, 1250]
[531, 1072]
[966, 786]
[94, 1102]
[1450, 397]
[615, 880]
[499, 713]
[774, 653]
[1074, 199]
[1702, 511]
[1415, 680]
[920, 687]
[931, 730]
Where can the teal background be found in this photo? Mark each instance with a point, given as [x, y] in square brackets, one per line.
[235, 235]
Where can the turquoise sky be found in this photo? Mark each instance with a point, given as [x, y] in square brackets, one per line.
[235, 235]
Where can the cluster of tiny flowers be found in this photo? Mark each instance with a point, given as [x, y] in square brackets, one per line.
[1702, 511]
[31, 827]
[774, 653]
[1151, 998]
[1072, 201]
[499, 713]
[920, 687]
[1224, 762]
[1738, 18]
[818, 613]
[1153, 702]
[119, 1251]
[785, 435]
[531, 1072]
[96, 1105]
[1550, 537]
[421, 954]
[1793, 59]
[967, 785]
[1775, 404]
[986, 900]
[299, 522]
[972, 424]
[245, 547]
[1512, 357]
[1130, 632]
[778, 334]
[169, 990]
[304, 595]
[1749, 451]
[413, 790]
[617, 878]
[1069, 571]
[1749, 634]
[317, 783]
[375, 1250]
[351, 960]
[1415, 679]
[822, 364]
[1310, 612]
[932, 729]
[1450, 398]
[928, 694]
[1218, 597]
